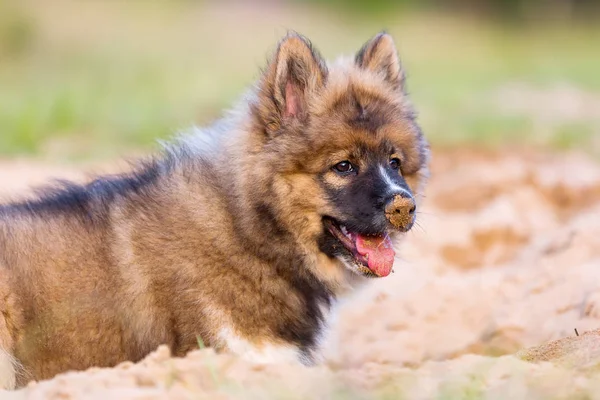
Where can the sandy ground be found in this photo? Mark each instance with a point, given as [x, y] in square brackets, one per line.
[506, 256]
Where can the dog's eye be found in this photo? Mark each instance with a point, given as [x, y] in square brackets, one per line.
[344, 167]
[395, 163]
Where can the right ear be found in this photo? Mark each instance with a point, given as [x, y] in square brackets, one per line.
[295, 72]
[379, 55]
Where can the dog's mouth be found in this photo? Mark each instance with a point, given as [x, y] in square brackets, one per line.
[373, 253]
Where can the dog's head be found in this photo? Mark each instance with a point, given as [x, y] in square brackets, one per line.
[339, 158]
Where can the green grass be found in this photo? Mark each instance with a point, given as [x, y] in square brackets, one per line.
[95, 80]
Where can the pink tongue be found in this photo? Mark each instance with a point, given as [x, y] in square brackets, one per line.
[379, 253]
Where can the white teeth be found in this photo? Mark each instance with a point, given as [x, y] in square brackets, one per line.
[344, 230]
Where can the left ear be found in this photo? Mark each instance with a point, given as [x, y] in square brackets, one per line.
[294, 74]
[380, 56]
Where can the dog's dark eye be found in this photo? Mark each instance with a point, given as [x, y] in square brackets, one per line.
[395, 163]
[344, 167]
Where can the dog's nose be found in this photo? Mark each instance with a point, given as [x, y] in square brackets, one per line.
[400, 211]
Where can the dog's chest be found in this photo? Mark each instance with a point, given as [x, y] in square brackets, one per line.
[268, 349]
[259, 351]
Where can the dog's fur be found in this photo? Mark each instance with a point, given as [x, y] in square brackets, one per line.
[221, 236]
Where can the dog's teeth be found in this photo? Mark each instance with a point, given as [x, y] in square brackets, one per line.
[344, 230]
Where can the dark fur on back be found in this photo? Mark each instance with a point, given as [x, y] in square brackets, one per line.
[89, 201]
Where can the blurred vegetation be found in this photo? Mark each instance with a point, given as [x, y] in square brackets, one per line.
[508, 10]
[98, 79]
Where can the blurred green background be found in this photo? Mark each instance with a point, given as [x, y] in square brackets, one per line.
[99, 79]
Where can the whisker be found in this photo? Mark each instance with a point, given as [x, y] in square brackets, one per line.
[417, 225]
[426, 213]
[430, 214]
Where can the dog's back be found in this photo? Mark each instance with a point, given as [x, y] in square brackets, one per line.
[58, 271]
[64, 276]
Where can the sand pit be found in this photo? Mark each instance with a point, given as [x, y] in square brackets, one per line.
[506, 258]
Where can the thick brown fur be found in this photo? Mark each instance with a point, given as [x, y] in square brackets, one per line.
[221, 236]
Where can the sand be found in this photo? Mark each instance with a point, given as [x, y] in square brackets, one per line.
[487, 292]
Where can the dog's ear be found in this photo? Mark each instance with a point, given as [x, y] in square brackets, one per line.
[380, 56]
[295, 72]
